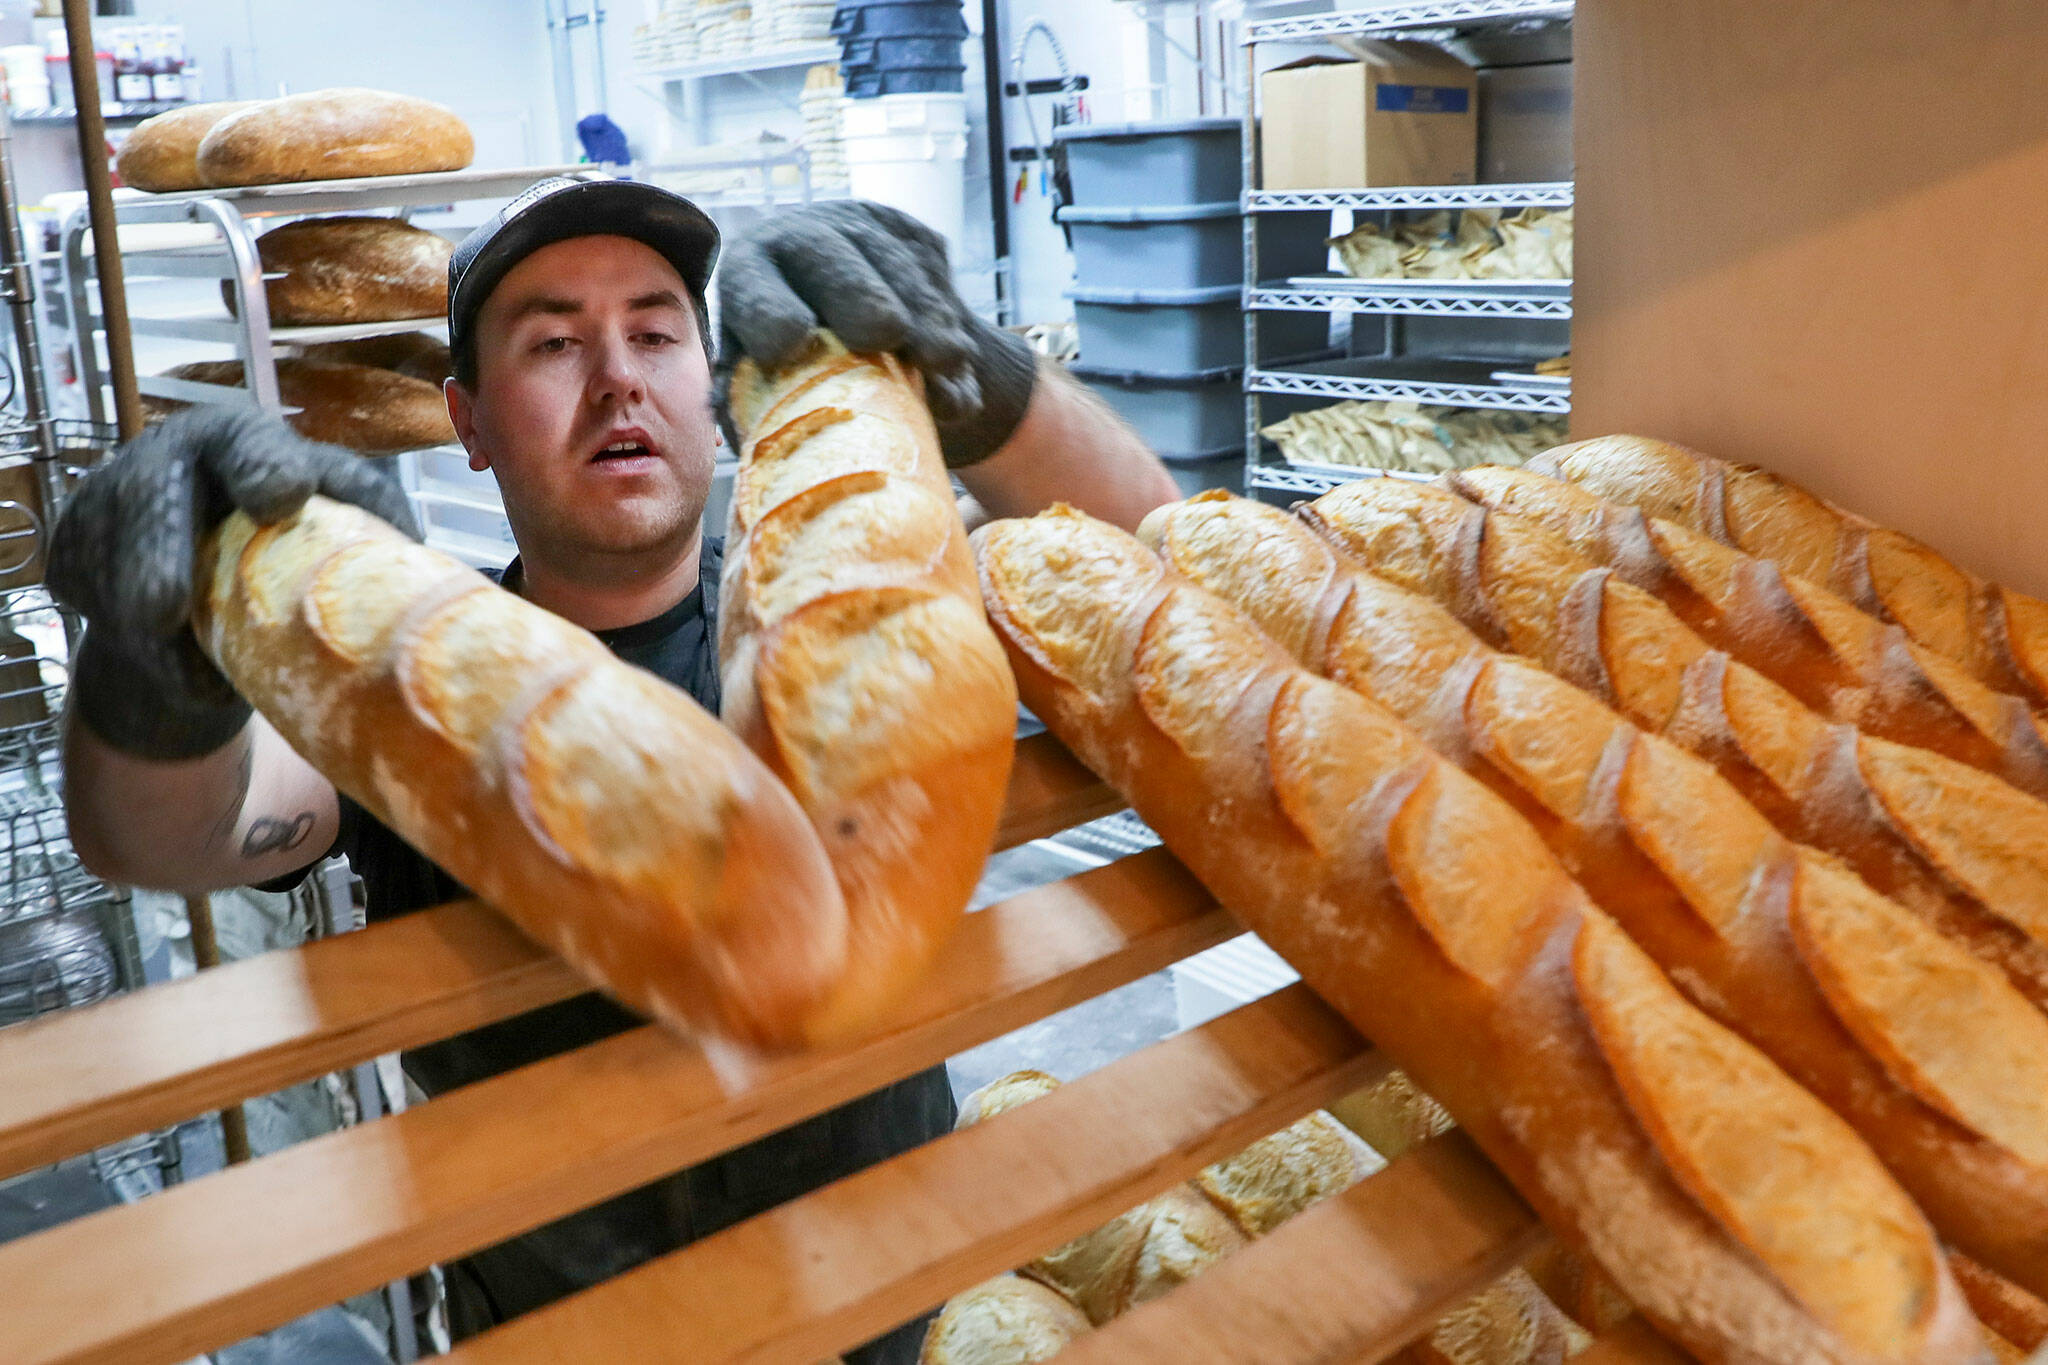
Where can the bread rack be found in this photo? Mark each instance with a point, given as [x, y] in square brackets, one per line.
[1348, 1281]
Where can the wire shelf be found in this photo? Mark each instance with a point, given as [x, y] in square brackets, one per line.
[1315, 479]
[1540, 193]
[1416, 298]
[1445, 383]
[1442, 14]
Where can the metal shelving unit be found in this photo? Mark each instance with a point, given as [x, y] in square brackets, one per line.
[774, 59]
[1416, 298]
[229, 218]
[1447, 382]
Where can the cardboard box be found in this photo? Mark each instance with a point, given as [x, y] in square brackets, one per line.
[1405, 115]
[1525, 122]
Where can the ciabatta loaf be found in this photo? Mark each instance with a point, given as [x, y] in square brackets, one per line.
[1953, 843]
[1739, 1213]
[162, 153]
[855, 657]
[1833, 656]
[333, 135]
[1009, 1320]
[1929, 1052]
[2000, 635]
[603, 811]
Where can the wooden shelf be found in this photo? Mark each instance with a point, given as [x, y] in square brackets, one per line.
[342, 1213]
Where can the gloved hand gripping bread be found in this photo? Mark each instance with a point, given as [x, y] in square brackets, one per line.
[1836, 658]
[1740, 1214]
[610, 817]
[1927, 1051]
[1952, 843]
[1999, 635]
[855, 657]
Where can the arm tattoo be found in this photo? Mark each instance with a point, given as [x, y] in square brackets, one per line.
[217, 837]
[270, 835]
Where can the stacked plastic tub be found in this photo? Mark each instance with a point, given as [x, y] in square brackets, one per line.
[900, 47]
[1158, 285]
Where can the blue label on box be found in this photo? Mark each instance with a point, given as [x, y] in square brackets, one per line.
[1422, 99]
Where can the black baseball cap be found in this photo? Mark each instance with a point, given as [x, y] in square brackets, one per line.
[559, 208]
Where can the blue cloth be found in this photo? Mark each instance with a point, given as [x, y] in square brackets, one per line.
[603, 140]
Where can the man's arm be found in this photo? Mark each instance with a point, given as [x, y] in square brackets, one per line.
[246, 813]
[1070, 447]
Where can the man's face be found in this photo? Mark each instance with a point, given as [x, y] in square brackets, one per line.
[592, 402]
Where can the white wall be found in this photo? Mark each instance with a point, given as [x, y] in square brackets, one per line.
[487, 59]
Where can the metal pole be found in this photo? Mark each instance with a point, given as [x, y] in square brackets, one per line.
[18, 287]
[99, 197]
[234, 1126]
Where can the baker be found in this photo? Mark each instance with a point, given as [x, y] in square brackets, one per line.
[584, 381]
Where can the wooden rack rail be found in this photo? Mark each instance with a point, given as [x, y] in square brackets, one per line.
[217, 1259]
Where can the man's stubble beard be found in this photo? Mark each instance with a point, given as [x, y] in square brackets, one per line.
[600, 544]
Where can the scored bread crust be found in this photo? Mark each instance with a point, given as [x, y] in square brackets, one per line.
[605, 813]
[162, 153]
[1835, 657]
[855, 657]
[1960, 847]
[352, 269]
[1930, 1053]
[335, 134]
[1432, 917]
[1998, 634]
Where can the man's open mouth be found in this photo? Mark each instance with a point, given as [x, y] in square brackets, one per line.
[622, 450]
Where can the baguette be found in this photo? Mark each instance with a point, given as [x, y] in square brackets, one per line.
[1741, 1215]
[352, 269]
[162, 153]
[1927, 1051]
[1836, 658]
[370, 411]
[333, 135]
[854, 656]
[605, 813]
[1956, 845]
[1999, 635]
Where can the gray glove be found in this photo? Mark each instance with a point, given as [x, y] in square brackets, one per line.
[123, 553]
[878, 278]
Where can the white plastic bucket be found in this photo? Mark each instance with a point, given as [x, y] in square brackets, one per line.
[910, 152]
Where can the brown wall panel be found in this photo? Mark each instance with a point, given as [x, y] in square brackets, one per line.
[1815, 236]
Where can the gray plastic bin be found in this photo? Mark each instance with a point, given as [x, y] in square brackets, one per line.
[1188, 161]
[1177, 330]
[1217, 469]
[1201, 410]
[1186, 246]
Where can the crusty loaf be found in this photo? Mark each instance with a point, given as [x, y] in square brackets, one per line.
[1009, 1320]
[1836, 658]
[1951, 842]
[1510, 1322]
[2002, 1306]
[1738, 1212]
[2000, 635]
[609, 816]
[372, 411]
[1169, 1239]
[1392, 1116]
[414, 354]
[1928, 1051]
[1283, 1173]
[854, 654]
[352, 269]
[162, 153]
[1003, 1094]
[334, 134]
